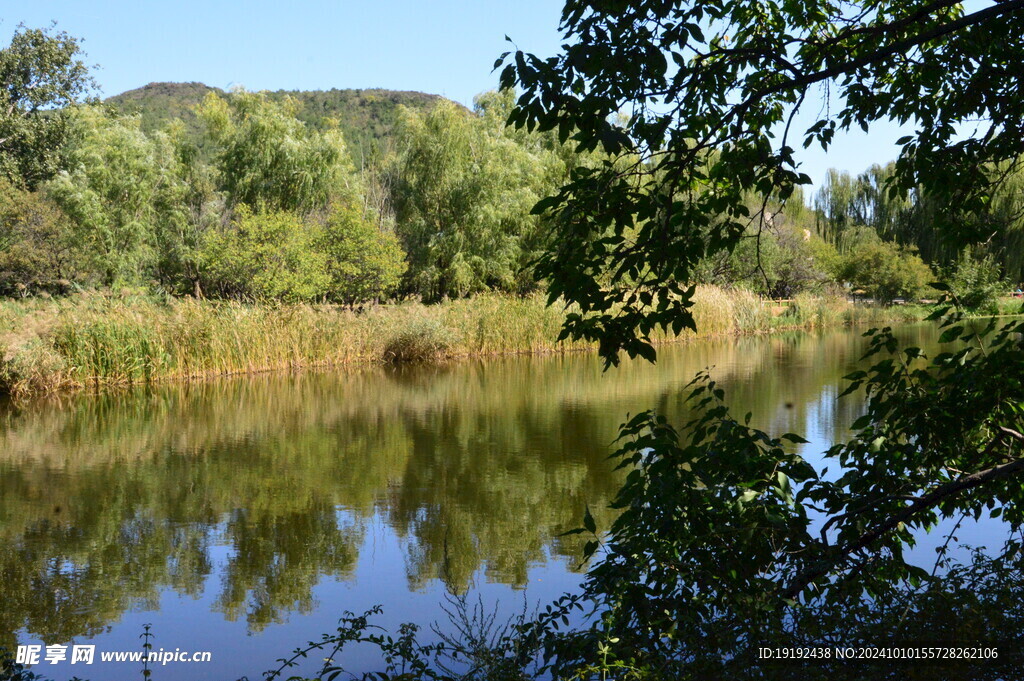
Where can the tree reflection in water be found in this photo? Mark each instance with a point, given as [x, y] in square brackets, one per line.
[108, 501]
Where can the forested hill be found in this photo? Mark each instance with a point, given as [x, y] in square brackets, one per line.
[366, 117]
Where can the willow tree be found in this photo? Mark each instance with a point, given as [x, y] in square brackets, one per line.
[716, 549]
[462, 195]
[268, 159]
[121, 188]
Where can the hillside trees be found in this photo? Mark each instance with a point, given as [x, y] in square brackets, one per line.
[278, 215]
[729, 540]
[42, 77]
[203, 210]
[443, 203]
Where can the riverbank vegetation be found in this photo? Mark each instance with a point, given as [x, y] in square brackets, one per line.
[94, 340]
[247, 237]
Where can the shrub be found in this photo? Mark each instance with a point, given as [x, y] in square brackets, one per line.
[265, 256]
[38, 249]
[423, 339]
[363, 262]
[886, 271]
[977, 283]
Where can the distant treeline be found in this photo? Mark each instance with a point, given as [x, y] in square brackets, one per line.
[261, 196]
[366, 118]
[259, 205]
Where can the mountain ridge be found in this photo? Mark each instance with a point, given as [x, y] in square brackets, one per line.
[366, 117]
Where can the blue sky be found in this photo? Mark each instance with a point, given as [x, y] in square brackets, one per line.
[445, 47]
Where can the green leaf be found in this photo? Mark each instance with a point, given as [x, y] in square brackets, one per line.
[588, 521]
[861, 422]
[951, 334]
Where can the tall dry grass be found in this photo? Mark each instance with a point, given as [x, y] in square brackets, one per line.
[99, 340]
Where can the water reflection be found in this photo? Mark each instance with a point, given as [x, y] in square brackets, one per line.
[245, 494]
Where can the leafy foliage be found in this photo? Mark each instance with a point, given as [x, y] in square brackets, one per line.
[710, 92]
[462, 198]
[728, 541]
[976, 283]
[783, 260]
[120, 188]
[41, 77]
[39, 251]
[716, 550]
[884, 270]
[265, 256]
[845, 205]
[364, 262]
[269, 160]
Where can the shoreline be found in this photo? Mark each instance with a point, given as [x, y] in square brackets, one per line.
[94, 343]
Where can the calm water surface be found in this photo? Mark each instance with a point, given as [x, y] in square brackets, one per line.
[243, 517]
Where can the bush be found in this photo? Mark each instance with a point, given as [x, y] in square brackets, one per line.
[38, 249]
[422, 340]
[886, 271]
[265, 256]
[977, 283]
[363, 262]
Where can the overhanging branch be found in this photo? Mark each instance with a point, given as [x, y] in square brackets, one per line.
[933, 498]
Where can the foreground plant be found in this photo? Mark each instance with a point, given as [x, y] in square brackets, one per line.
[728, 541]
[726, 538]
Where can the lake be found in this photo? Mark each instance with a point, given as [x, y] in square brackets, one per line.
[243, 516]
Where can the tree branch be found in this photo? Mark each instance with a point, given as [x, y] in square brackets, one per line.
[804, 579]
[895, 48]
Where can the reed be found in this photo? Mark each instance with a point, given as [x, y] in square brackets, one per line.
[95, 340]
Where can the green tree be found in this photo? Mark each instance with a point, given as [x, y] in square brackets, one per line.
[729, 80]
[999, 225]
[846, 202]
[202, 208]
[977, 283]
[121, 188]
[883, 269]
[780, 261]
[364, 262]
[462, 195]
[265, 256]
[715, 550]
[39, 251]
[268, 159]
[42, 76]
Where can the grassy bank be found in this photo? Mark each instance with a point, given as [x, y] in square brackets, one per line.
[100, 340]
